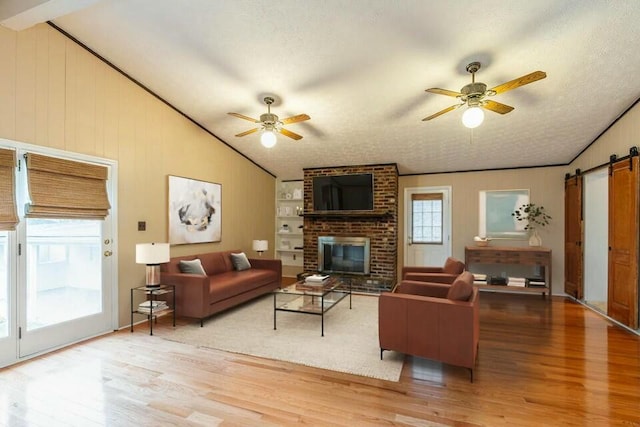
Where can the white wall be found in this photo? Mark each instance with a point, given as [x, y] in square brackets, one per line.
[596, 231]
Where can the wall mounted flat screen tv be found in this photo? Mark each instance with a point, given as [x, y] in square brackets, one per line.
[343, 193]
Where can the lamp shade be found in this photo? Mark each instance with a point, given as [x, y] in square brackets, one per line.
[473, 117]
[268, 138]
[260, 245]
[152, 253]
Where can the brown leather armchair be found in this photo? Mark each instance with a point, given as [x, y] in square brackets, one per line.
[445, 274]
[432, 320]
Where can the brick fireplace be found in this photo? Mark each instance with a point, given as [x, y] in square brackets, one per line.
[380, 226]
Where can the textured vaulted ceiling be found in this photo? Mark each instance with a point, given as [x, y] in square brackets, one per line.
[360, 68]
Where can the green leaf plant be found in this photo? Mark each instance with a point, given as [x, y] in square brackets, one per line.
[535, 216]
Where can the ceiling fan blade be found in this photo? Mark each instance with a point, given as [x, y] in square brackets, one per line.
[242, 116]
[439, 113]
[250, 131]
[290, 134]
[443, 92]
[497, 107]
[521, 81]
[295, 119]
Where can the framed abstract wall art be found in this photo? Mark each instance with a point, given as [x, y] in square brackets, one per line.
[495, 219]
[195, 211]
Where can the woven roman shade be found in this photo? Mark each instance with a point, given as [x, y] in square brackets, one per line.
[61, 188]
[426, 196]
[8, 214]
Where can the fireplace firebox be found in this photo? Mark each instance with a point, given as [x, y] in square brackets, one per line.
[344, 254]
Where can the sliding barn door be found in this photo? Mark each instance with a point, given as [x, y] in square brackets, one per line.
[573, 237]
[623, 242]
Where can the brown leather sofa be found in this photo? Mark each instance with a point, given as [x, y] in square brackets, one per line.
[222, 287]
[445, 274]
[432, 320]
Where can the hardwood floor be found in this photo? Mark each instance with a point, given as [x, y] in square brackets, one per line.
[541, 362]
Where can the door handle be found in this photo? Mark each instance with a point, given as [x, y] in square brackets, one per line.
[108, 253]
[410, 241]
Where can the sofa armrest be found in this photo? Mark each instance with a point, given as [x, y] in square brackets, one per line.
[192, 293]
[267, 264]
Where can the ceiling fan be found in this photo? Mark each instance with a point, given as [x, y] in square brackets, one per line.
[474, 96]
[270, 124]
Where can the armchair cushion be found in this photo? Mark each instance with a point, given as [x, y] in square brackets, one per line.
[462, 287]
[411, 287]
[453, 266]
[446, 274]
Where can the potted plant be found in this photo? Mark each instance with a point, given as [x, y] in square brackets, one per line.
[536, 217]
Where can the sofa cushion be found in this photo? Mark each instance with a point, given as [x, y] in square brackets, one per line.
[232, 283]
[216, 262]
[192, 267]
[240, 261]
[453, 266]
[462, 287]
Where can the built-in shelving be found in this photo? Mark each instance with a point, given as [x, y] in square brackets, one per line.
[289, 223]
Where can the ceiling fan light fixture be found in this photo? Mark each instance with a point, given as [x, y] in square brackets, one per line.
[473, 117]
[268, 138]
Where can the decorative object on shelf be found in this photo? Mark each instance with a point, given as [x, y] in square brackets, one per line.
[152, 254]
[194, 211]
[297, 194]
[535, 217]
[285, 228]
[260, 246]
[285, 244]
[284, 211]
[481, 241]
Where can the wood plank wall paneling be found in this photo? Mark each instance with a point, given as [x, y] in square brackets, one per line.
[8, 83]
[54, 93]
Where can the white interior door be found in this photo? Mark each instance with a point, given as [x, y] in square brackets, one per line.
[427, 226]
[596, 240]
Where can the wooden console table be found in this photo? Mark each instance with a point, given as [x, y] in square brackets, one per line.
[512, 256]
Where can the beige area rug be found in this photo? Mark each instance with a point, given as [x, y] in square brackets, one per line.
[350, 343]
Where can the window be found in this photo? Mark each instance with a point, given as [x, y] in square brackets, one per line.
[427, 218]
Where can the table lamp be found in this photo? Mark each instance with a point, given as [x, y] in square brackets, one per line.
[260, 246]
[152, 254]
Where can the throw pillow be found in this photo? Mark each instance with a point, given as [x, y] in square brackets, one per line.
[462, 288]
[192, 267]
[453, 266]
[240, 261]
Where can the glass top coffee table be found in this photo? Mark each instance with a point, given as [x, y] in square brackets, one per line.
[309, 298]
